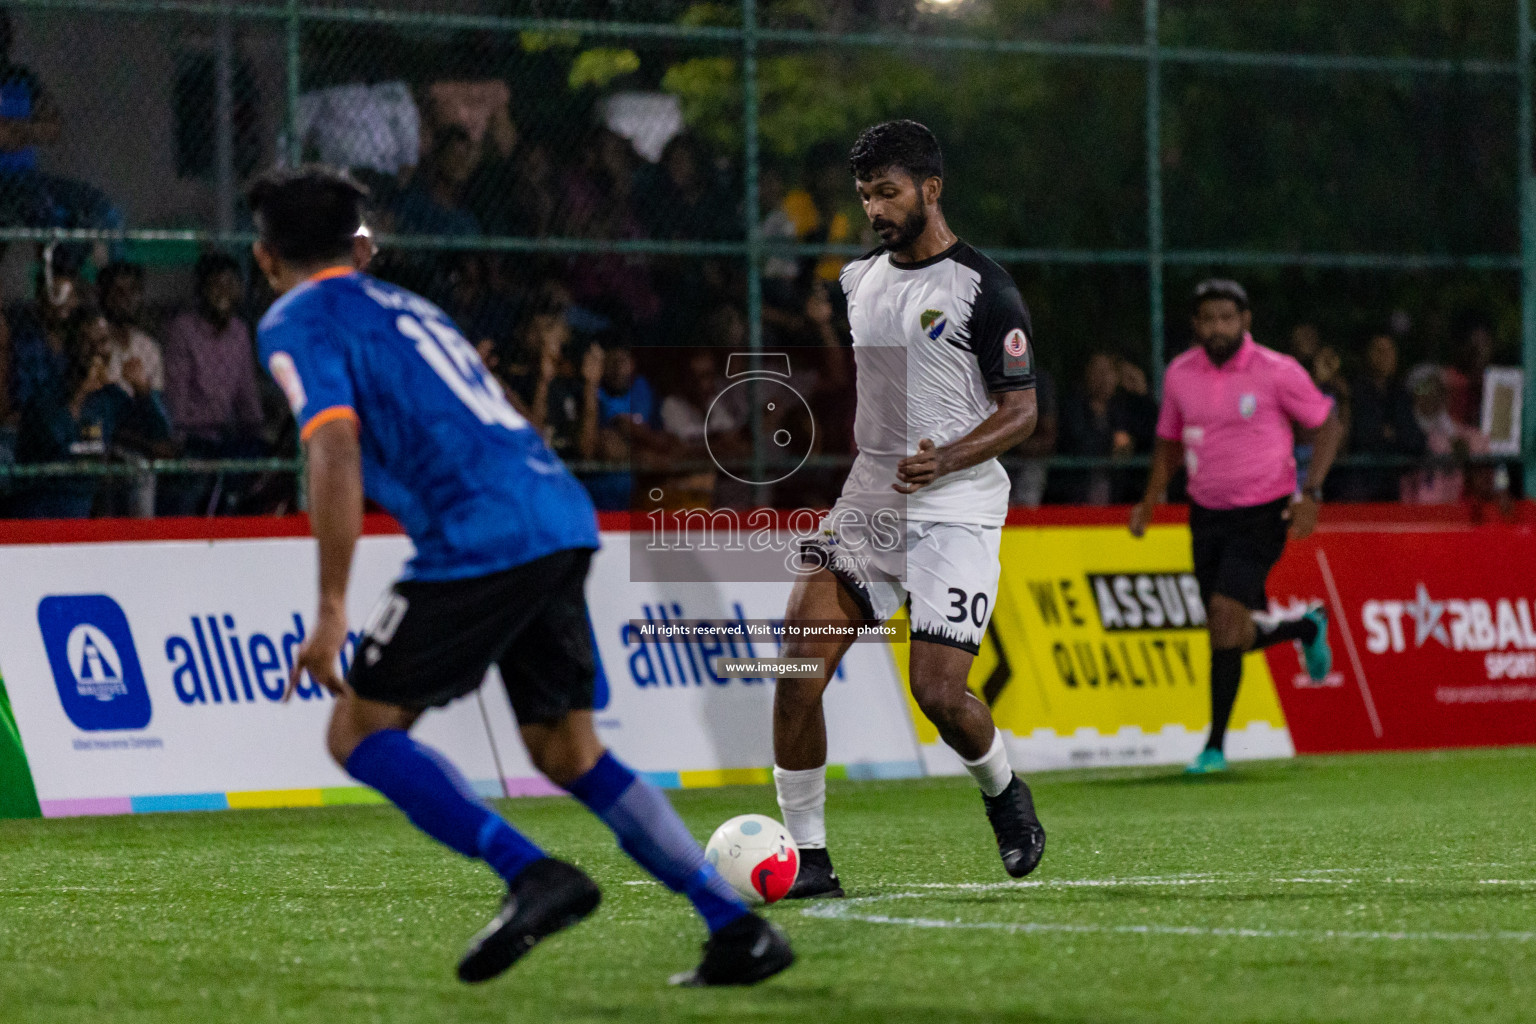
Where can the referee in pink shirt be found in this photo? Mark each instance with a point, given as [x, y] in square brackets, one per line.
[1233, 410]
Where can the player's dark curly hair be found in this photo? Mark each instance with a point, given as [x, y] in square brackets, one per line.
[904, 144]
[309, 215]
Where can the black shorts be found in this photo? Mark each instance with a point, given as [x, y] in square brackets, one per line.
[1235, 548]
[430, 642]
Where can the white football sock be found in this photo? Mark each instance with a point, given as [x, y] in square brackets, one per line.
[803, 799]
[992, 772]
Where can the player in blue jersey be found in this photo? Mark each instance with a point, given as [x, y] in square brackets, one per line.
[392, 402]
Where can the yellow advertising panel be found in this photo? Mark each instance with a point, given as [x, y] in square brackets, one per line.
[1097, 654]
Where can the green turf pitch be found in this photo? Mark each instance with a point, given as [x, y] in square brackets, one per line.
[1395, 888]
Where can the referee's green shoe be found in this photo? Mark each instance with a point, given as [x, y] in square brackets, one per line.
[1208, 763]
[1317, 655]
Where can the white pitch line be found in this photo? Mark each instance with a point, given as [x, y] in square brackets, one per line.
[1067, 883]
[836, 912]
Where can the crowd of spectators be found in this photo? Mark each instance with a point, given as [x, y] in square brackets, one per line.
[1430, 414]
[87, 377]
[1419, 433]
[617, 358]
[29, 123]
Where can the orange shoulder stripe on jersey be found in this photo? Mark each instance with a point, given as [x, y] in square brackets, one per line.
[324, 416]
[330, 272]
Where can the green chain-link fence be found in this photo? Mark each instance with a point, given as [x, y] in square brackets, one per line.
[670, 174]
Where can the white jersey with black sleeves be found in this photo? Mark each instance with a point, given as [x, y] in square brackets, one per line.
[933, 342]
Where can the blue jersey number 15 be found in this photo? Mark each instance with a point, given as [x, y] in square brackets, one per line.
[456, 361]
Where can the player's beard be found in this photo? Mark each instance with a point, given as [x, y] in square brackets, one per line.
[1221, 347]
[907, 232]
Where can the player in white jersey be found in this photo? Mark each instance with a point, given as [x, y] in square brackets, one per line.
[943, 354]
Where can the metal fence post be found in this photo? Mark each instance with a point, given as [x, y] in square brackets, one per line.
[1154, 192]
[295, 150]
[291, 85]
[752, 223]
[224, 123]
[1527, 252]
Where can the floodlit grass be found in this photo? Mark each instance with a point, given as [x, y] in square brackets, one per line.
[1390, 888]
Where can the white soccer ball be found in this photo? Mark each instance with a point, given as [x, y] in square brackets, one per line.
[756, 855]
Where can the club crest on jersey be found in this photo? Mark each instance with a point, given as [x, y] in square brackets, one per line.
[1248, 404]
[1016, 361]
[934, 321]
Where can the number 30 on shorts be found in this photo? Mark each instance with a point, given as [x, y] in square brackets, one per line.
[963, 606]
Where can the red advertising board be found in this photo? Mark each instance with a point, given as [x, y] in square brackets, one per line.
[1433, 633]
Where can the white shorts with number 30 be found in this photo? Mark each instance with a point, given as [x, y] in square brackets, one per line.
[948, 571]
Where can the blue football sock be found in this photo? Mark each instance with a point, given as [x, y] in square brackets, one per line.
[434, 796]
[650, 831]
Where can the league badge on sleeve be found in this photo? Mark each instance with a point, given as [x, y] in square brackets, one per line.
[1016, 360]
[287, 376]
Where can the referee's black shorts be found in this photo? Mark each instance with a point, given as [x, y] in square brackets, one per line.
[1235, 548]
[430, 642]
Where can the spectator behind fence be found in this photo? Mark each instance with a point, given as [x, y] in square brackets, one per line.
[515, 193]
[29, 119]
[1447, 442]
[725, 327]
[1101, 420]
[369, 128]
[1473, 351]
[1030, 478]
[210, 369]
[560, 402]
[834, 208]
[689, 414]
[628, 428]
[1381, 424]
[211, 390]
[120, 290]
[781, 274]
[434, 202]
[1139, 405]
[596, 205]
[1305, 342]
[684, 198]
[82, 419]
[485, 315]
[35, 334]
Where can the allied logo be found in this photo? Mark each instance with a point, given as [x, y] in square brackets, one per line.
[1248, 404]
[934, 321]
[95, 664]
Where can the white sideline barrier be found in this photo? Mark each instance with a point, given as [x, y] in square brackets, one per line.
[146, 675]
